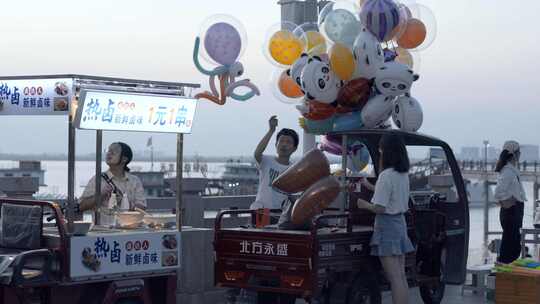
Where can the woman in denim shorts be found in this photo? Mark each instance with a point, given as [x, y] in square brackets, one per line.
[390, 201]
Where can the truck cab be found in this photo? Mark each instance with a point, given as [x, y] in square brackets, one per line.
[331, 263]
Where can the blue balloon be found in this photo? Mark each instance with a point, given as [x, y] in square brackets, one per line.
[319, 127]
[348, 122]
[359, 156]
[389, 55]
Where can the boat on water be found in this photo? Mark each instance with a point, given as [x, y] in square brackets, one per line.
[234, 177]
[238, 178]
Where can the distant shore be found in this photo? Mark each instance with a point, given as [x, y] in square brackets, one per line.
[89, 157]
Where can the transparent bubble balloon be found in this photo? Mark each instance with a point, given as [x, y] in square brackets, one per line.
[284, 88]
[360, 3]
[338, 22]
[324, 12]
[411, 59]
[282, 45]
[350, 6]
[223, 39]
[382, 18]
[421, 26]
[316, 42]
[404, 16]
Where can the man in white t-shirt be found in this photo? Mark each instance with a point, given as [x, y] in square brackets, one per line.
[270, 167]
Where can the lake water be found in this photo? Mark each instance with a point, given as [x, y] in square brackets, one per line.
[56, 180]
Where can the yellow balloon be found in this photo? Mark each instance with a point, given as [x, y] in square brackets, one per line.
[285, 48]
[342, 61]
[405, 57]
[316, 44]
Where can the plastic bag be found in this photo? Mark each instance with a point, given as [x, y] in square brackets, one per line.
[21, 226]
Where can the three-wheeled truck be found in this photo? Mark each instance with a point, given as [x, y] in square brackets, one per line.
[45, 255]
[331, 263]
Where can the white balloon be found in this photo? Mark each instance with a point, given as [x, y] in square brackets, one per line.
[319, 81]
[296, 69]
[407, 114]
[394, 79]
[368, 55]
[377, 111]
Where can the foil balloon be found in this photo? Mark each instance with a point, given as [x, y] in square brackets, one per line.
[298, 177]
[223, 45]
[315, 199]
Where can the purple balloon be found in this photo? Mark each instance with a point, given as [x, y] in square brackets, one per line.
[223, 43]
[330, 145]
[389, 55]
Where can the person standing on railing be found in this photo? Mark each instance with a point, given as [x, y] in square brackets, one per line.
[511, 197]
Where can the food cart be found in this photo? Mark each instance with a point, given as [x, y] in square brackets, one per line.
[332, 263]
[44, 255]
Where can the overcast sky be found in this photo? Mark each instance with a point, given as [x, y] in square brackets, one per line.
[479, 80]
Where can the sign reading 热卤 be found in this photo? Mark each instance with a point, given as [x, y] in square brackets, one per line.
[106, 110]
[116, 253]
[40, 96]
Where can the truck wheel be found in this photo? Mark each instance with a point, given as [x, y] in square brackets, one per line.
[433, 292]
[363, 290]
[275, 298]
[129, 301]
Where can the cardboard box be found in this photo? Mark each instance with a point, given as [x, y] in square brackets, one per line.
[517, 288]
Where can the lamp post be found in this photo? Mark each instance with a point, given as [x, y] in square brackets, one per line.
[486, 201]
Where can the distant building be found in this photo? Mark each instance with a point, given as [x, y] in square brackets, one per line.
[31, 169]
[492, 153]
[530, 153]
[470, 153]
[153, 182]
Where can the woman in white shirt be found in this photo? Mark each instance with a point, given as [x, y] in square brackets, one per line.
[128, 188]
[511, 196]
[390, 201]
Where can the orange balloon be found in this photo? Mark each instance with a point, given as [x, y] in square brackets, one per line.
[414, 35]
[289, 87]
[304, 173]
[315, 199]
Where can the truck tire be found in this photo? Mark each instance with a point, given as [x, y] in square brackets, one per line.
[433, 293]
[364, 290]
[129, 301]
[275, 298]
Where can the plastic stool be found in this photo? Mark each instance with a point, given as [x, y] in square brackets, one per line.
[479, 274]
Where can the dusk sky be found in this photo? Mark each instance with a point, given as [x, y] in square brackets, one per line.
[479, 80]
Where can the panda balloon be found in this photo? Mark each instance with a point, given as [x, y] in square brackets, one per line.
[318, 82]
[377, 111]
[368, 54]
[407, 114]
[295, 72]
[394, 79]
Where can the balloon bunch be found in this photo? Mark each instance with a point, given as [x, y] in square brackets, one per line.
[224, 40]
[355, 68]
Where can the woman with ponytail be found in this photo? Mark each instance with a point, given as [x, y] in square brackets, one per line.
[117, 182]
[510, 194]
